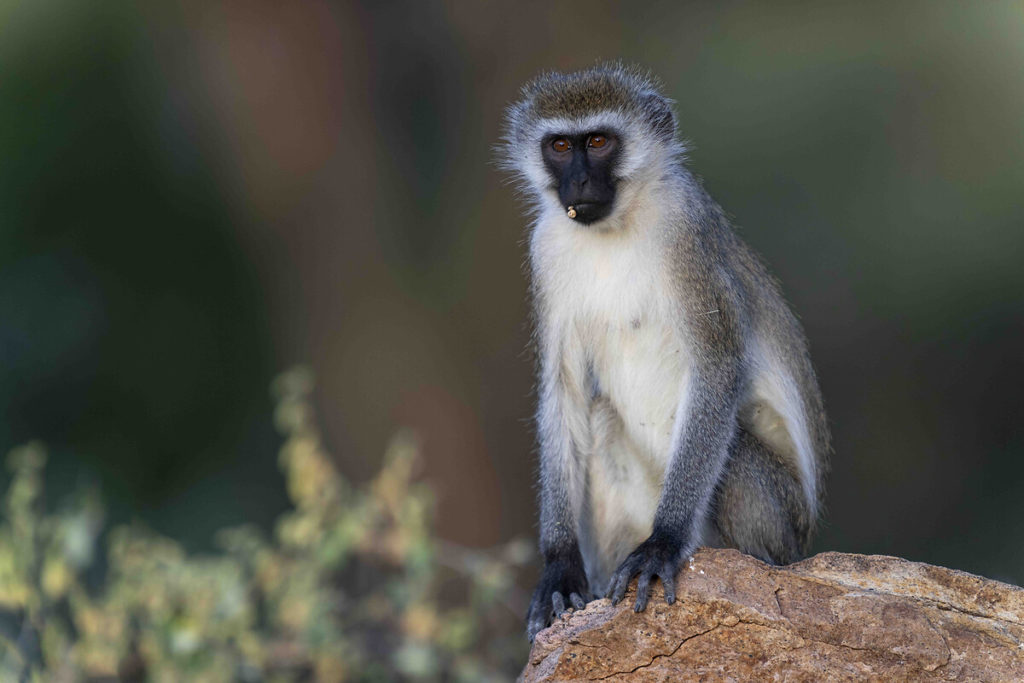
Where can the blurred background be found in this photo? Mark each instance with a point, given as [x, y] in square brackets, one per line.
[197, 195]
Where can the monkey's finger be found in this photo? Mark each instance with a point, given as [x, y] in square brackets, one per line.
[668, 581]
[577, 600]
[534, 626]
[643, 590]
[617, 590]
[558, 603]
[613, 588]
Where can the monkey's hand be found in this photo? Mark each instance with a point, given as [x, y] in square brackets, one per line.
[660, 555]
[563, 579]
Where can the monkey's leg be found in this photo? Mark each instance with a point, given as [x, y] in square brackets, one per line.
[563, 583]
[760, 508]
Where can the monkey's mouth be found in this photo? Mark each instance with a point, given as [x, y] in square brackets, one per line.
[588, 212]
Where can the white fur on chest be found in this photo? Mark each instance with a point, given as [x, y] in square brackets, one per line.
[604, 296]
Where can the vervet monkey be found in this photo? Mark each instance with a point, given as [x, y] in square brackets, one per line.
[677, 402]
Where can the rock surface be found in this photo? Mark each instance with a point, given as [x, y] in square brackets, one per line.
[834, 617]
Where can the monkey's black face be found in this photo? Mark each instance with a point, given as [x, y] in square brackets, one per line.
[581, 167]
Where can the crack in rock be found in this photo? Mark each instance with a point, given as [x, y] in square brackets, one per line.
[658, 656]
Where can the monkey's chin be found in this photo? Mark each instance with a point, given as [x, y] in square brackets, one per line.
[589, 212]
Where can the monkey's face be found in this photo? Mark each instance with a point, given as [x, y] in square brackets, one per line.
[581, 168]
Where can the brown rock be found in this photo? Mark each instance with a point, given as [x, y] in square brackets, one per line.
[833, 617]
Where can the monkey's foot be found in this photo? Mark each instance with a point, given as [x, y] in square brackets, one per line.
[562, 580]
[659, 556]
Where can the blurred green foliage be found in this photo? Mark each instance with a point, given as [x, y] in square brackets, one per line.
[351, 586]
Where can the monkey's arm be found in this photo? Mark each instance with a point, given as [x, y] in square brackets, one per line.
[561, 481]
[704, 424]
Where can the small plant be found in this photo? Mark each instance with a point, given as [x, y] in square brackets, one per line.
[351, 586]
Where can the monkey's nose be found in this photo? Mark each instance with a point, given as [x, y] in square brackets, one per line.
[579, 180]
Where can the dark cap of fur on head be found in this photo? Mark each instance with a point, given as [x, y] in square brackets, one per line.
[610, 86]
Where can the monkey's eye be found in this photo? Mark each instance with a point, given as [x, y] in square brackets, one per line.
[561, 145]
[597, 141]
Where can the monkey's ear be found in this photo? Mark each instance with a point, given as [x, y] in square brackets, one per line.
[659, 113]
